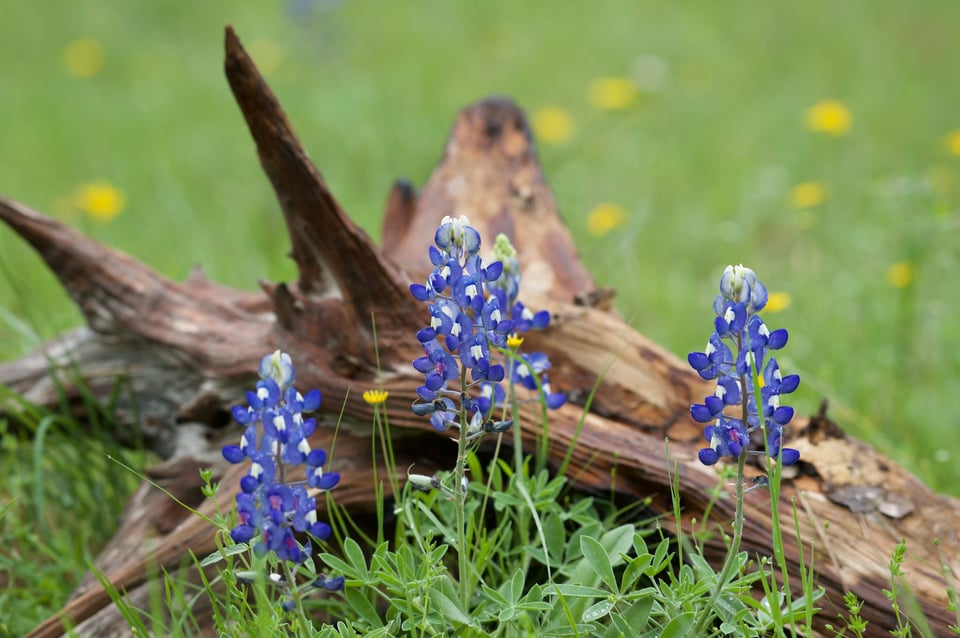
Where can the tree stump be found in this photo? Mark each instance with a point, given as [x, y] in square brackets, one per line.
[189, 349]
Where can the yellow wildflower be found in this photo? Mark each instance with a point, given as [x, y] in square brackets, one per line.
[604, 218]
[375, 397]
[900, 274]
[100, 200]
[777, 301]
[808, 195]
[514, 340]
[553, 125]
[611, 94]
[952, 142]
[83, 58]
[829, 116]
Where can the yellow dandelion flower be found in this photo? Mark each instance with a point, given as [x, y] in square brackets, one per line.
[604, 218]
[611, 94]
[808, 195]
[375, 397]
[553, 125]
[952, 142]
[831, 117]
[100, 200]
[267, 54]
[777, 301]
[900, 274]
[83, 58]
[514, 340]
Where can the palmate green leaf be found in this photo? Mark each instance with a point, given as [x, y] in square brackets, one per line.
[354, 556]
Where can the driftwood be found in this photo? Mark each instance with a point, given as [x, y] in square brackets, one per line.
[187, 351]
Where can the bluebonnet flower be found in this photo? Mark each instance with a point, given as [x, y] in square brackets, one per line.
[271, 508]
[467, 300]
[741, 297]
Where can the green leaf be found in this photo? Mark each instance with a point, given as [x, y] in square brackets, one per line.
[679, 626]
[362, 607]
[635, 569]
[516, 585]
[354, 556]
[597, 611]
[220, 554]
[449, 606]
[639, 612]
[596, 555]
[577, 591]
[555, 535]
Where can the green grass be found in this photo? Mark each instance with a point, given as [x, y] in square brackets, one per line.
[703, 165]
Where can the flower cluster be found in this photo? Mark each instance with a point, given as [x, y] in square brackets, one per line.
[737, 348]
[468, 301]
[271, 508]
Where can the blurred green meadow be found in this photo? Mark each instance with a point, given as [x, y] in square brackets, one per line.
[816, 142]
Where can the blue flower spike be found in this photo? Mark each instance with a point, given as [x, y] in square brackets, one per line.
[738, 349]
[272, 509]
[474, 316]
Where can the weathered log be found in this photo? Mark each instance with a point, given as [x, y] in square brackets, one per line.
[187, 350]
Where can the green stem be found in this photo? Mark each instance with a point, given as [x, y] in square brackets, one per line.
[460, 496]
[732, 552]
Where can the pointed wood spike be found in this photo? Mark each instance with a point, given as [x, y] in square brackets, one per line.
[334, 256]
[491, 174]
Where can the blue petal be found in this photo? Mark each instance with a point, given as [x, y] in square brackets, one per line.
[436, 257]
[789, 456]
[328, 481]
[420, 292]
[423, 409]
[330, 583]
[471, 240]
[783, 414]
[233, 453]
[555, 400]
[698, 360]
[320, 530]
[708, 456]
[494, 271]
[714, 404]
[316, 458]
[423, 365]
[701, 413]
[312, 401]
[241, 414]
[541, 319]
[777, 339]
[789, 383]
[242, 533]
